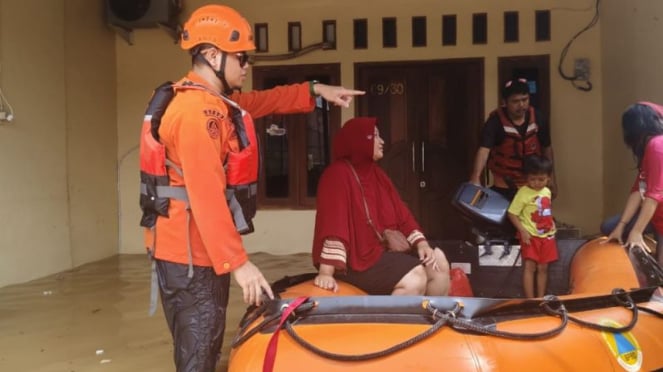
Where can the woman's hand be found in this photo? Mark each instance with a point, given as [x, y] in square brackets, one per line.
[426, 255]
[326, 281]
[635, 239]
[617, 233]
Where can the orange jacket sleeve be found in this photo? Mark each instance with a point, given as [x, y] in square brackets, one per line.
[283, 99]
[200, 146]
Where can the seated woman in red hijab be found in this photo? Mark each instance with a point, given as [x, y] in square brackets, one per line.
[356, 202]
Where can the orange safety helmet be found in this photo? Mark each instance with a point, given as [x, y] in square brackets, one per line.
[220, 26]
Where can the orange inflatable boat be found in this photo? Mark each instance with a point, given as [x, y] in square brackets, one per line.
[610, 319]
[605, 313]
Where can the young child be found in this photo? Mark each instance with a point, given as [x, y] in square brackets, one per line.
[531, 214]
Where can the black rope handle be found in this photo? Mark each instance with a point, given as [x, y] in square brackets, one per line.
[457, 323]
[367, 356]
[626, 302]
[242, 337]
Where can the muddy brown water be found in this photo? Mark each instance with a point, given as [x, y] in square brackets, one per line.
[94, 317]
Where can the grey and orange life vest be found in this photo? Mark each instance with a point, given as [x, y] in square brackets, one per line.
[241, 167]
[506, 159]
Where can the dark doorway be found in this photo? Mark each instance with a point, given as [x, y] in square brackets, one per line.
[429, 115]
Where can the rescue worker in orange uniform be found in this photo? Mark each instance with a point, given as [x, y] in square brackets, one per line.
[195, 243]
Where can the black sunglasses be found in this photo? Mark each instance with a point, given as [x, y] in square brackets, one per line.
[243, 58]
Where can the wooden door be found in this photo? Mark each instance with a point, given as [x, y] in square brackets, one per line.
[429, 114]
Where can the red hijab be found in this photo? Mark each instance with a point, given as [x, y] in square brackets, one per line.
[340, 206]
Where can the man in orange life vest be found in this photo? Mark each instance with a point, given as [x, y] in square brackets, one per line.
[511, 133]
[199, 162]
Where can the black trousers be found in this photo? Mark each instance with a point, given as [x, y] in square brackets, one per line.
[195, 309]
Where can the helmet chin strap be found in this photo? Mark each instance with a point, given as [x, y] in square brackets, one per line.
[221, 75]
[220, 72]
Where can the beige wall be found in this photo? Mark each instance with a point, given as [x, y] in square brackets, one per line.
[58, 155]
[632, 71]
[79, 91]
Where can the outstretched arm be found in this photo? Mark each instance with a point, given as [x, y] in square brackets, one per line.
[337, 95]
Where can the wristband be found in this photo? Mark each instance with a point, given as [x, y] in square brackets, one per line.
[311, 88]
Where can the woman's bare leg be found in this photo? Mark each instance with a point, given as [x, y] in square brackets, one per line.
[412, 284]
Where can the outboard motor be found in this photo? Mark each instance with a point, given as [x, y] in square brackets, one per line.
[486, 210]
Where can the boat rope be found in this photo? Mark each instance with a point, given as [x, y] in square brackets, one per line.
[376, 354]
[650, 311]
[242, 335]
[626, 301]
[550, 305]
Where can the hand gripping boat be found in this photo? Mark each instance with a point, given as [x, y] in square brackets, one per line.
[609, 318]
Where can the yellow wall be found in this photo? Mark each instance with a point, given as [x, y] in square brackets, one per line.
[70, 165]
[632, 72]
[572, 121]
[58, 155]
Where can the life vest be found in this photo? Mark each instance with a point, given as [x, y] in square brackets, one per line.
[506, 159]
[241, 167]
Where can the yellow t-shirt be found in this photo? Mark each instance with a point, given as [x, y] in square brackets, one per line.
[534, 210]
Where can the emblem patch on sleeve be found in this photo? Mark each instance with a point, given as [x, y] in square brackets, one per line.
[213, 128]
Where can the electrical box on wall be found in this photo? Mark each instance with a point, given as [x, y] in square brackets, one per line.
[581, 69]
[132, 14]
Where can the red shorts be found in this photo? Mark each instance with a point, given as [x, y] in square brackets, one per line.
[539, 250]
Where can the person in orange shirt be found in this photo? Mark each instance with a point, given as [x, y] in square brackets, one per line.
[205, 127]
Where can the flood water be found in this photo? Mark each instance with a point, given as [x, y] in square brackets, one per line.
[94, 317]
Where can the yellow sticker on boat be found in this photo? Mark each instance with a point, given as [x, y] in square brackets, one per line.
[623, 346]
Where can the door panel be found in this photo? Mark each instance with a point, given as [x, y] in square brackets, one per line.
[430, 116]
[387, 96]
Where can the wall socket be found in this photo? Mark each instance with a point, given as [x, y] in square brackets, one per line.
[581, 69]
